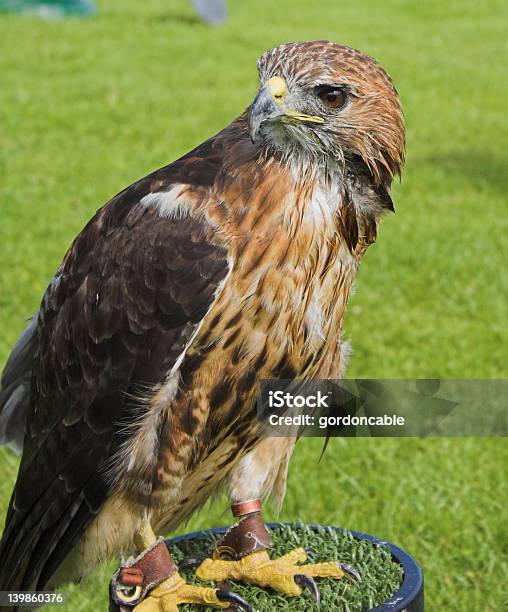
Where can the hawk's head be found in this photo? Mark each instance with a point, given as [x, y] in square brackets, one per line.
[328, 101]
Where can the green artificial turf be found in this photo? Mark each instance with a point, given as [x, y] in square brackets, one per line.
[380, 575]
[89, 105]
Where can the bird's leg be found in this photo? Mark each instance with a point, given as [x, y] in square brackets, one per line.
[242, 554]
[150, 582]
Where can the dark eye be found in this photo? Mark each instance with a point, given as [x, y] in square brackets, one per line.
[332, 97]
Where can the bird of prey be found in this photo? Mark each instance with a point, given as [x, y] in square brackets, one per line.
[135, 384]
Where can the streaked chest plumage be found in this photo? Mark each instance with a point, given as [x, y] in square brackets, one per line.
[277, 314]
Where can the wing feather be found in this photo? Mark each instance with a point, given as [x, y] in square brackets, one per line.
[122, 307]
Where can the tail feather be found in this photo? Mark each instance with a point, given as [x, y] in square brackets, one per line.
[15, 388]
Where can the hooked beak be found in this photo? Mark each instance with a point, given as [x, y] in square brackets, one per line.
[269, 104]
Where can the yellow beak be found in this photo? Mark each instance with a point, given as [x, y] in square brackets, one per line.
[270, 104]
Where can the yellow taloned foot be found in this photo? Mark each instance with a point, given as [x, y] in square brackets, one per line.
[174, 591]
[279, 574]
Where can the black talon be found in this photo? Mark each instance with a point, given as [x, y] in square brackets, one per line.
[190, 563]
[234, 599]
[310, 552]
[307, 582]
[351, 571]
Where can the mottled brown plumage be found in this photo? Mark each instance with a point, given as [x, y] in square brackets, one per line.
[230, 265]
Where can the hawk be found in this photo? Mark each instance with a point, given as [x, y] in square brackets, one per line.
[132, 391]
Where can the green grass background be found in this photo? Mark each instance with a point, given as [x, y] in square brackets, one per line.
[87, 106]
